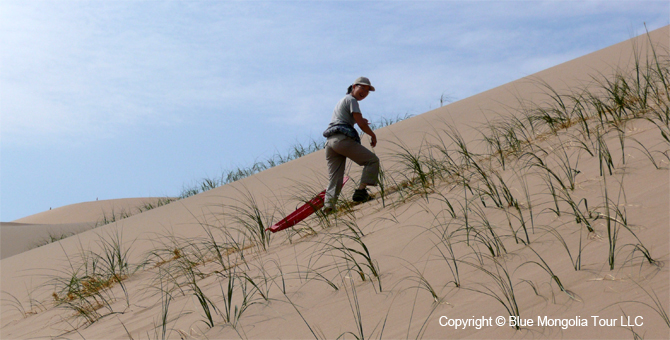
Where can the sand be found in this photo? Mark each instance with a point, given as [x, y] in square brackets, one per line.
[486, 261]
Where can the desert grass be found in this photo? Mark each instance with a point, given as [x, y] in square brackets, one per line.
[445, 247]
[114, 216]
[657, 305]
[85, 287]
[252, 220]
[543, 264]
[502, 282]
[32, 307]
[575, 259]
[351, 248]
[51, 238]
[422, 283]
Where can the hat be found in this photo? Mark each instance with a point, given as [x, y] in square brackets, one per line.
[364, 81]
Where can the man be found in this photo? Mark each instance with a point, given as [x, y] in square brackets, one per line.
[343, 142]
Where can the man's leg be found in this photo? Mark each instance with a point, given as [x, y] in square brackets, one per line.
[363, 157]
[336, 166]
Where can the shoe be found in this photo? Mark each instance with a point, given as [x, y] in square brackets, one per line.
[361, 195]
[328, 210]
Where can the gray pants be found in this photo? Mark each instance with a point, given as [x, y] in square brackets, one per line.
[338, 148]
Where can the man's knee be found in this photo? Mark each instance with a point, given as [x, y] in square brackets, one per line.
[374, 160]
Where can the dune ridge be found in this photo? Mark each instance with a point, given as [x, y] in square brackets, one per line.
[93, 211]
[55, 224]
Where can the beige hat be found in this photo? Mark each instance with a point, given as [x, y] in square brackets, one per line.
[364, 81]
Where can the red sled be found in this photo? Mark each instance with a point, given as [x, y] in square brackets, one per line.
[303, 212]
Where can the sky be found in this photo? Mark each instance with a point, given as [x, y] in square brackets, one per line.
[115, 99]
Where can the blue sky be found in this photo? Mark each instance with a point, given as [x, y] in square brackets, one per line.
[115, 99]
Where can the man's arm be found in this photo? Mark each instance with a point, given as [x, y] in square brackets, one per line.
[363, 124]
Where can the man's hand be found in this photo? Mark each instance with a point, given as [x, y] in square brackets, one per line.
[364, 125]
[373, 137]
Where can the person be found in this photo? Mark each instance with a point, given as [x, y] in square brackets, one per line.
[343, 142]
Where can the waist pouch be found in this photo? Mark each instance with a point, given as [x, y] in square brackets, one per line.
[344, 129]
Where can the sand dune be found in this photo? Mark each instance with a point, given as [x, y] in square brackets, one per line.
[32, 231]
[88, 212]
[19, 237]
[565, 228]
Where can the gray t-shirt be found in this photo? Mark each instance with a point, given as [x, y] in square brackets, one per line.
[343, 113]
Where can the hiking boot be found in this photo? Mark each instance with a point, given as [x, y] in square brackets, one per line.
[361, 195]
